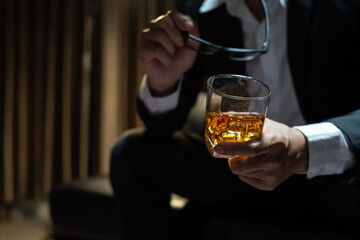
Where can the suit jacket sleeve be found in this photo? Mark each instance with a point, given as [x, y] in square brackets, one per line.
[324, 63]
[350, 125]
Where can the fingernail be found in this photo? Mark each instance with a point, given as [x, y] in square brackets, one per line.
[188, 23]
[219, 149]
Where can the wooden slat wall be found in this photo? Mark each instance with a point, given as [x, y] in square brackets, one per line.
[45, 94]
[69, 78]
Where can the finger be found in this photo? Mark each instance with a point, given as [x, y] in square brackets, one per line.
[149, 51]
[251, 148]
[183, 22]
[258, 183]
[172, 23]
[268, 176]
[187, 24]
[195, 31]
[244, 165]
[265, 164]
[159, 36]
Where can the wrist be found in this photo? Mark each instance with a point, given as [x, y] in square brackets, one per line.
[300, 149]
[162, 90]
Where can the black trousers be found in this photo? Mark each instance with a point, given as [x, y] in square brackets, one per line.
[147, 167]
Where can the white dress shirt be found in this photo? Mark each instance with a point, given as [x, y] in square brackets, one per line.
[328, 149]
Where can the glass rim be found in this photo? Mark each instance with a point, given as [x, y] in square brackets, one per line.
[266, 97]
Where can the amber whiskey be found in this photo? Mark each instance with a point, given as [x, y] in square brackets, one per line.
[232, 127]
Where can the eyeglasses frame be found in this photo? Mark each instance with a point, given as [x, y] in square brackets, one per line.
[230, 50]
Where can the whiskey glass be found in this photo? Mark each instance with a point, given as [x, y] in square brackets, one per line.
[236, 108]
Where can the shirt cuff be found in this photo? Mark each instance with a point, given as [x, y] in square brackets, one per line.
[329, 152]
[158, 105]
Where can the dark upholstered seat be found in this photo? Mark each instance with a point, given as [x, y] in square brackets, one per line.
[84, 209]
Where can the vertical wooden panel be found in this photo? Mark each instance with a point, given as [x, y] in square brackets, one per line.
[9, 103]
[39, 103]
[68, 64]
[85, 99]
[95, 86]
[2, 99]
[138, 20]
[113, 91]
[50, 93]
[23, 98]
[125, 77]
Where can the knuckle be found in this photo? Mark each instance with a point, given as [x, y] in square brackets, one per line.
[256, 148]
[144, 34]
[153, 32]
[272, 179]
[233, 166]
[178, 38]
[148, 50]
[157, 35]
[273, 165]
[268, 186]
[233, 169]
[160, 21]
[174, 15]
[280, 140]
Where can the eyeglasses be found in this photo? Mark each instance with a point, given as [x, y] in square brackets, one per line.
[237, 54]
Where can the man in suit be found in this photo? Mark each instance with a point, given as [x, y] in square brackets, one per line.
[306, 160]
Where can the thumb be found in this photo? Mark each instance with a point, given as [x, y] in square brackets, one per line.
[182, 21]
[250, 148]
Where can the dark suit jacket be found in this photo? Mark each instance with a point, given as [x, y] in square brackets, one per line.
[324, 56]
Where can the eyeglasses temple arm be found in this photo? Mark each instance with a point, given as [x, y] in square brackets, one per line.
[264, 48]
[267, 26]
